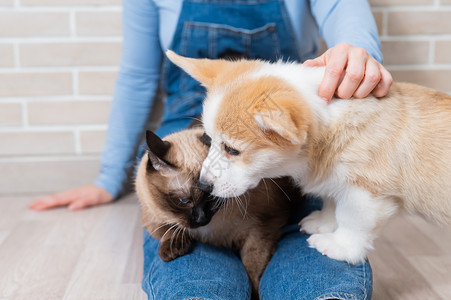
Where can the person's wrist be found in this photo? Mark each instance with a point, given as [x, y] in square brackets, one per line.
[103, 194]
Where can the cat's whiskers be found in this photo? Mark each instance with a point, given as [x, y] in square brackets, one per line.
[218, 203]
[289, 199]
[241, 207]
[246, 202]
[266, 187]
[175, 234]
[226, 206]
[170, 222]
[169, 229]
[194, 118]
[235, 198]
[183, 229]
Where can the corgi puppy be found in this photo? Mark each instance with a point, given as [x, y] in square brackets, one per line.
[365, 158]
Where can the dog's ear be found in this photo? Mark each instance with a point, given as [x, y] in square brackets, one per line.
[157, 152]
[202, 69]
[282, 124]
[280, 113]
[283, 116]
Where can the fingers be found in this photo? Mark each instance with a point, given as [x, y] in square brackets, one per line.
[371, 79]
[52, 201]
[317, 62]
[354, 74]
[75, 199]
[77, 205]
[351, 72]
[336, 63]
[384, 84]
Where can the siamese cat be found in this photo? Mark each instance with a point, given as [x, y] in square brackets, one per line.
[177, 211]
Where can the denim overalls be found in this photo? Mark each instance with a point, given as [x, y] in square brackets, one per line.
[253, 29]
[215, 29]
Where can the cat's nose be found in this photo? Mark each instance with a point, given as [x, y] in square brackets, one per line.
[205, 186]
[200, 218]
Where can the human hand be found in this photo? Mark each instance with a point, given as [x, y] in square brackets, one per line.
[351, 72]
[75, 199]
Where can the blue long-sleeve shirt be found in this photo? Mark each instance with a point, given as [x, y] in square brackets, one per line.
[148, 28]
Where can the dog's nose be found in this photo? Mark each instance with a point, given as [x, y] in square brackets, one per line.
[205, 186]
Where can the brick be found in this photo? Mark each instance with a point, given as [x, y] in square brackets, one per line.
[443, 52]
[92, 141]
[68, 112]
[437, 79]
[6, 55]
[401, 2]
[46, 176]
[35, 143]
[379, 18]
[99, 23]
[96, 83]
[10, 114]
[68, 2]
[405, 52]
[419, 22]
[14, 24]
[35, 84]
[70, 54]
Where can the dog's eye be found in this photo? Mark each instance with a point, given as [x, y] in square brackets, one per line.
[184, 201]
[231, 151]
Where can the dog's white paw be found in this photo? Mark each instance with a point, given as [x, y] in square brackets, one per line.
[340, 246]
[318, 222]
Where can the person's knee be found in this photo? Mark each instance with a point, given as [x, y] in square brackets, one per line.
[299, 272]
[206, 273]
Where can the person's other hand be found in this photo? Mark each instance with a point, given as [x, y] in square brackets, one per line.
[75, 199]
[351, 72]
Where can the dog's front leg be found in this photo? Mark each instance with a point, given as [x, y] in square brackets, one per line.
[320, 221]
[357, 214]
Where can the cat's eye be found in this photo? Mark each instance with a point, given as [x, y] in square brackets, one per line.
[205, 139]
[231, 151]
[184, 201]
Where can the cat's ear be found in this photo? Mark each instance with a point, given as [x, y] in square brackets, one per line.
[157, 152]
[202, 69]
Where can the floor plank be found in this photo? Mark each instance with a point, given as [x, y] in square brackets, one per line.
[96, 254]
[411, 260]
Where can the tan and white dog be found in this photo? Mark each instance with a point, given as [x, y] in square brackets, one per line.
[365, 158]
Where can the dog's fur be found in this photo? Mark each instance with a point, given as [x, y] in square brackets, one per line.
[250, 226]
[365, 158]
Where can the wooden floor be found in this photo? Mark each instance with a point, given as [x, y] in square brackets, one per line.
[96, 254]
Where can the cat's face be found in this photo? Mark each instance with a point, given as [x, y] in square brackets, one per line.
[167, 180]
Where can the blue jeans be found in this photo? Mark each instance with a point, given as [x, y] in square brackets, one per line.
[295, 272]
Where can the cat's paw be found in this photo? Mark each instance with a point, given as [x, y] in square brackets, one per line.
[318, 222]
[169, 251]
[340, 246]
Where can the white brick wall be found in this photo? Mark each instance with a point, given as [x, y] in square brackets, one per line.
[58, 63]
[59, 59]
[416, 40]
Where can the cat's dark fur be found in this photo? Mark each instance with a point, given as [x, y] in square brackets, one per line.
[176, 212]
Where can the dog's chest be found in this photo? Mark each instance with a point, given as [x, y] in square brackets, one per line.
[329, 184]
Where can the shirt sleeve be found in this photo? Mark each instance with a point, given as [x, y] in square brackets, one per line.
[347, 21]
[135, 89]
